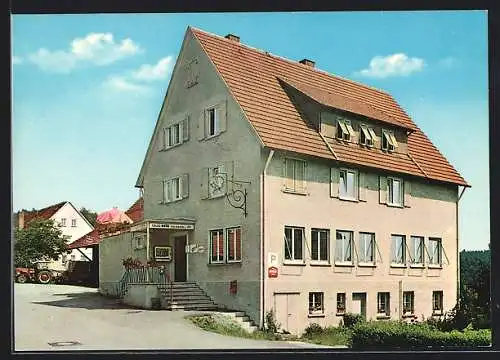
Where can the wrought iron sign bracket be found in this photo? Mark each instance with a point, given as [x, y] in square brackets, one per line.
[237, 195]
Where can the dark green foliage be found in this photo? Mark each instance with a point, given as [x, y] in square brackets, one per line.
[271, 325]
[349, 320]
[42, 240]
[89, 215]
[390, 334]
[313, 329]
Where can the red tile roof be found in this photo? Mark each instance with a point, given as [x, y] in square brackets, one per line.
[43, 214]
[92, 238]
[252, 77]
[136, 211]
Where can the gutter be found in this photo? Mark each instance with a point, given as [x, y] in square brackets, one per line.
[458, 249]
[263, 258]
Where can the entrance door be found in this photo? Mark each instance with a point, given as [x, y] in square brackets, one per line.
[359, 303]
[285, 310]
[180, 262]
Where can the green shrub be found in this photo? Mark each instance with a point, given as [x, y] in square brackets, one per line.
[397, 334]
[349, 320]
[312, 330]
[271, 325]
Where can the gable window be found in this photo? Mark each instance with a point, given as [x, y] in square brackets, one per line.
[398, 245]
[233, 236]
[348, 184]
[217, 181]
[417, 250]
[294, 238]
[63, 221]
[319, 245]
[394, 192]
[389, 142]
[383, 303]
[366, 248]
[341, 303]
[73, 222]
[212, 115]
[367, 136]
[408, 302]
[295, 175]
[344, 130]
[435, 251]
[343, 247]
[316, 303]
[216, 246]
[437, 302]
[172, 190]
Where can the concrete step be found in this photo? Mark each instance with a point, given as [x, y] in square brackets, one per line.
[182, 291]
[189, 298]
[194, 307]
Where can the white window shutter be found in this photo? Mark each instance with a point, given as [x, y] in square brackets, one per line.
[201, 125]
[334, 182]
[407, 190]
[382, 189]
[284, 175]
[161, 141]
[162, 191]
[185, 128]
[304, 178]
[203, 178]
[362, 186]
[185, 185]
[222, 114]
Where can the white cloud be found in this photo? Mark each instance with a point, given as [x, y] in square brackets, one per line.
[95, 48]
[392, 65]
[448, 62]
[120, 83]
[159, 71]
[16, 60]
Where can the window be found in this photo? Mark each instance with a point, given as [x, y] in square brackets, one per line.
[63, 221]
[394, 192]
[389, 142]
[367, 248]
[172, 190]
[217, 181]
[233, 236]
[417, 250]
[73, 222]
[341, 303]
[216, 246]
[367, 136]
[319, 245]
[408, 302]
[316, 305]
[212, 122]
[435, 251]
[437, 302]
[348, 184]
[295, 175]
[163, 253]
[343, 247]
[344, 130]
[73, 257]
[398, 254]
[294, 238]
[383, 303]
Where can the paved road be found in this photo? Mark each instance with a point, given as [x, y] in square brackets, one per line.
[59, 313]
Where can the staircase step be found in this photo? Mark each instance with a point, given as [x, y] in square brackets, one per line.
[196, 307]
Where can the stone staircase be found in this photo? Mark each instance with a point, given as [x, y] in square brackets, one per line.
[186, 296]
[241, 319]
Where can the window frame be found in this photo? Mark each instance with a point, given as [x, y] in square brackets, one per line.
[296, 189]
[384, 298]
[168, 188]
[63, 222]
[439, 300]
[361, 260]
[292, 259]
[351, 240]
[318, 232]
[73, 222]
[403, 246]
[344, 172]
[390, 191]
[413, 257]
[344, 128]
[367, 135]
[387, 138]
[439, 247]
[168, 135]
[408, 302]
[314, 308]
[227, 242]
[220, 232]
[216, 122]
[341, 303]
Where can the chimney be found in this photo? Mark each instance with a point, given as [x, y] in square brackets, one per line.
[232, 37]
[20, 219]
[307, 62]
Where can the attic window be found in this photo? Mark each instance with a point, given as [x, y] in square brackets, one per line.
[389, 142]
[344, 130]
[367, 136]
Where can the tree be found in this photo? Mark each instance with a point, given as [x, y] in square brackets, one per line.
[41, 240]
[89, 215]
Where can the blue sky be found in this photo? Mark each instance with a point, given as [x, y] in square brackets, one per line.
[87, 90]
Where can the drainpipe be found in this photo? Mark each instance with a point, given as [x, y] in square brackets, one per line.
[263, 253]
[458, 249]
[147, 249]
[400, 300]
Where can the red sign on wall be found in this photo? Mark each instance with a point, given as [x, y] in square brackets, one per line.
[233, 287]
[272, 272]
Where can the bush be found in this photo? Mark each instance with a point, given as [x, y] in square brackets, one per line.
[349, 320]
[397, 334]
[312, 330]
[271, 326]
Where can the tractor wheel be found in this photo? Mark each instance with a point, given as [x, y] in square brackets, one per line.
[44, 277]
[21, 279]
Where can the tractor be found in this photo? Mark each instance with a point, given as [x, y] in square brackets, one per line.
[40, 273]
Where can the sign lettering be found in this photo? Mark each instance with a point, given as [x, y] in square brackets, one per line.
[194, 248]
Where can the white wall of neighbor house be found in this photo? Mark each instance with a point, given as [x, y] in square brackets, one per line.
[238, 150]
[429, 212]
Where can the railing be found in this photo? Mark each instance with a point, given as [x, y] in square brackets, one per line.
[144, 275]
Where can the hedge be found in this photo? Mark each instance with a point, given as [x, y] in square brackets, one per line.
[380, 334]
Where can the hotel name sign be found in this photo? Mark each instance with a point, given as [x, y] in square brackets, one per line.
[169, 226]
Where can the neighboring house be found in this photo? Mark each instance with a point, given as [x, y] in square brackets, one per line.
[71, 222]
[136, 211]
[345, 204]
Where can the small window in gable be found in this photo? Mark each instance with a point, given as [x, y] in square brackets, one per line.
[389, 142]
[212, 122]
[344, 130]
[365, 137]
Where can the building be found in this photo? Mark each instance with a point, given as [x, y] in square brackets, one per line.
[71, 222]
[277, 186]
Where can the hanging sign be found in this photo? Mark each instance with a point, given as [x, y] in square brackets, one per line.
[272, 272]
[194, 248]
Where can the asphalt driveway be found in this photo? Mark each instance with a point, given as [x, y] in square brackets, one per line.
[62, 317]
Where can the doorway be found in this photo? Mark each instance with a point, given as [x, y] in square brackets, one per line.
[359, 304]
[285, 310]
[180, 261]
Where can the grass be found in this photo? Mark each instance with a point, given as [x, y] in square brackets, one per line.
[330, 336]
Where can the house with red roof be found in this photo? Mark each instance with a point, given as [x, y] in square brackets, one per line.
[275, 185]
